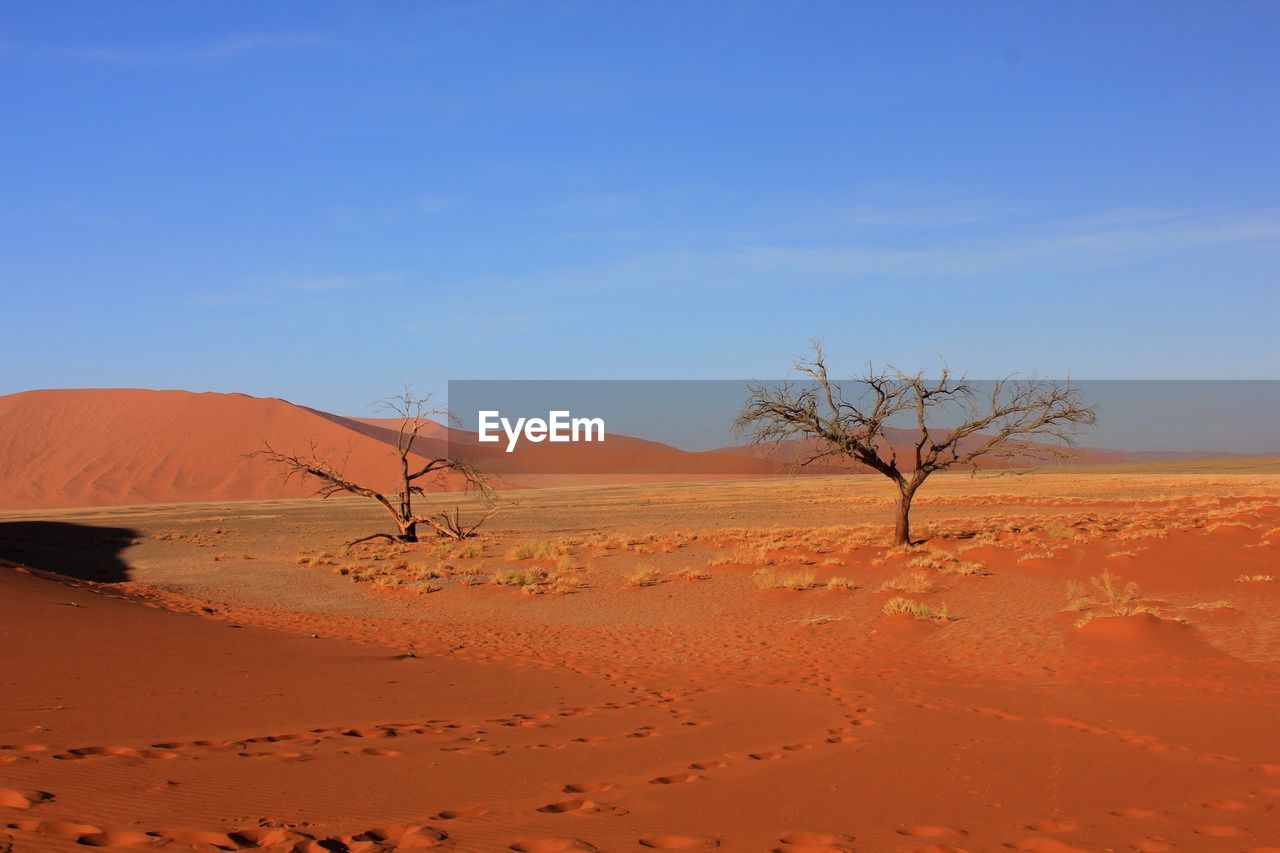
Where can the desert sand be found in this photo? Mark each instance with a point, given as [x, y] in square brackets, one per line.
[125, 446]
[656, 667]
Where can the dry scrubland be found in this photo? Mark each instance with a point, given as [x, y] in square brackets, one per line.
[1068, 661]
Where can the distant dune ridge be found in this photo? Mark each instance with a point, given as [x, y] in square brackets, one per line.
[110, 447]
[126, 446]
[107, 447]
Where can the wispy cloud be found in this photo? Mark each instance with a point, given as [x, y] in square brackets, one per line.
[1084, 244]
[332, 283]
[230, 47]
[912, 217]
[271, 292]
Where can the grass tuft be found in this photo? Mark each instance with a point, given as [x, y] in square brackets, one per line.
[917, 609]
[644, 576]
[772, 579]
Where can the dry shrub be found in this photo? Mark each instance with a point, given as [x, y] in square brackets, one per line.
[812, 619]
[519, 577]
[544, 550]
[913, 581]
[890, 553]
[917, 609]
[644, 576]
[770, 579]
[841, 583]
[567, 584]
[1057, 530]
[1111, 596]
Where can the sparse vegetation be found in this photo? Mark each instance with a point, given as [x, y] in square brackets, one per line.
[812, 619]
[1220, 604]
[543, 550]
[771, 579]
[519, 577]
[914, 581]
[1111, 596]
[1057, 530]
[944, 563]
[1255, 579]
[917, 609]
[644, 576]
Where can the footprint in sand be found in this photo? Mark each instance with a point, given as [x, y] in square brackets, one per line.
[194, 838]
[372, 752]
[764, 756]
[115, 838]
[55, 827]
[675, 779]
[588, 787]
[454, 814]
[932, 831]
[708, 765]
[279, 756]
[1225, 805]
[581, 806]
[1053, 826]
[678, 842]
[1136, 814]
[260, 837]
[407, 836]
[14, 753]
[98, 752]
[19, 800]
[815, 842]
[1220, 831]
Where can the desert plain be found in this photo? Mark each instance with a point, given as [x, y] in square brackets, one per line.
[1080, 659]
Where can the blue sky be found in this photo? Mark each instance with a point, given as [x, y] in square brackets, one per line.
[318, 201]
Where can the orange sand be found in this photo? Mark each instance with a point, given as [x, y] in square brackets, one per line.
[218, 680]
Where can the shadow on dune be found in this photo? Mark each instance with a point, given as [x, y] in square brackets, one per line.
[79, 551]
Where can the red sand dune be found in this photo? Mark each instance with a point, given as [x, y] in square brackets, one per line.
[107, 447]
[126, 446]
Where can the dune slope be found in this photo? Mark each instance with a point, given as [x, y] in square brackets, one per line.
[103, 447]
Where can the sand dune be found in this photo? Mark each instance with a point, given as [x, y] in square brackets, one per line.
[127, 446]
[110, 447]
[203, 683]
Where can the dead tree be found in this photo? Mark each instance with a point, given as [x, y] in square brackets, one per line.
[415, 414]
[990, 423]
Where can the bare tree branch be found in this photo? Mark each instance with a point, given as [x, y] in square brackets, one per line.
[415, 414]
[1013, 421]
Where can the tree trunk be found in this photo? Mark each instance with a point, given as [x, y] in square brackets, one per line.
[409, 531]
[902, 523]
